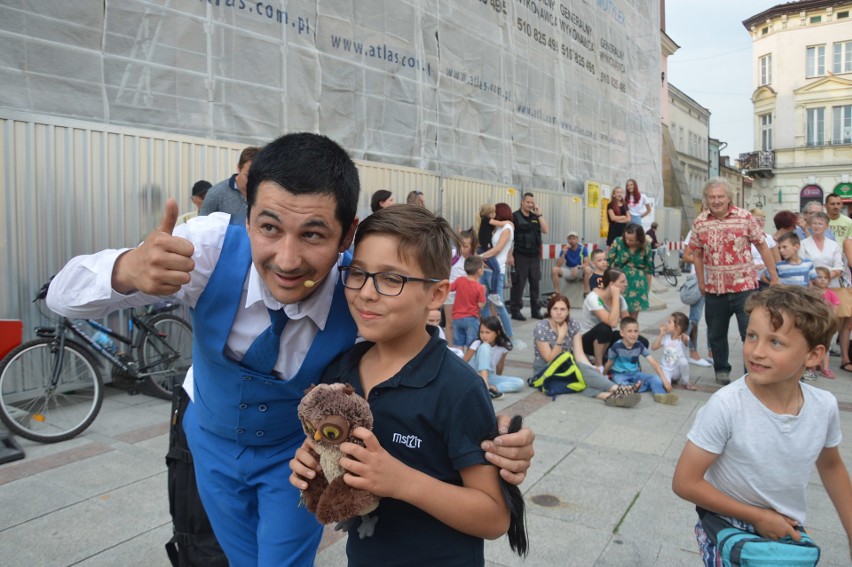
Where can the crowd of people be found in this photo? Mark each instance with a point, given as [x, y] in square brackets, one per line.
[288, 289]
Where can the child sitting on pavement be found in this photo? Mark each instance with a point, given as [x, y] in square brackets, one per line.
[488, 353]
[470, 298]
[623, 359]
[440, 496]
[752, 447]
[675, 343]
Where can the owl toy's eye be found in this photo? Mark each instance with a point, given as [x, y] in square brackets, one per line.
[331, 432]
[334, 429]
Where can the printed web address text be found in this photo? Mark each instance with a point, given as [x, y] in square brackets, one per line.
[381, 52]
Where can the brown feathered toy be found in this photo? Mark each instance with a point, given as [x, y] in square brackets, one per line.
[329, 413]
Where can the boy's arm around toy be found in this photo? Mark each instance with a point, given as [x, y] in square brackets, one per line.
[512, 453]
[835, 477]
[477, 508]
[689, 483]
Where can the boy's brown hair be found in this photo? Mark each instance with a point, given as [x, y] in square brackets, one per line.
[810, 314]
[473, 264]
[596, 252]
[425, 239]
[792, 237]
[627, 321]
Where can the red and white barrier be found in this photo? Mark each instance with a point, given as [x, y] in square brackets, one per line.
[552, 251]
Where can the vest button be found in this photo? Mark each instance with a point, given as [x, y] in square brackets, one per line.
[246, 377]
[240, 431]
[259, 433]
[243, 406]
[261, 407]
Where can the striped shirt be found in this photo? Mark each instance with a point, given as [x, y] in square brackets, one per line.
[794, 274]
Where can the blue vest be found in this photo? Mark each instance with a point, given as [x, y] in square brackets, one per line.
[232, 401]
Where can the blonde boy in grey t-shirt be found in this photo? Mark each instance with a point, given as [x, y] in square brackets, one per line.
[752, 447]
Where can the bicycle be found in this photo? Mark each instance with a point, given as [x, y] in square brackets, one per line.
[51, 388]
[661, 265]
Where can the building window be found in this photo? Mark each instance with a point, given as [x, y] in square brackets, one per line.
[764, 30]
[766, 131]
[766, 69]
[842, 57]
[843, 14]
[816, 19]
[842, 116]
[816, 127]
[815, 61]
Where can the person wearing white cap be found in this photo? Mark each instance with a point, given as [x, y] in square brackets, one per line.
[573, 258]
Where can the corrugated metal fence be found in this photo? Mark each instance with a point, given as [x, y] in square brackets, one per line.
[72, 187]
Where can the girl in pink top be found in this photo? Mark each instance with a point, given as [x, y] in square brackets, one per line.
[823, 278]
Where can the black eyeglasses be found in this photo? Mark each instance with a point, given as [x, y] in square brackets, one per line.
[386, 283]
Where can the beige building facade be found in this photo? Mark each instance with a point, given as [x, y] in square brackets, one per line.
[689, 125]
[802, 55]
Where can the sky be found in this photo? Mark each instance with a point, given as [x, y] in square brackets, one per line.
[714, 63]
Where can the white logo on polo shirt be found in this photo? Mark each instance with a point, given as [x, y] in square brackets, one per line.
[410, 441]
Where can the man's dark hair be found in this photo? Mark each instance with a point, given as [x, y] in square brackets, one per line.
[200, 188]
[528, 194]
[308, 164]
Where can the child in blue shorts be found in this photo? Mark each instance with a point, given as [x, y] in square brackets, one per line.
[623, 360]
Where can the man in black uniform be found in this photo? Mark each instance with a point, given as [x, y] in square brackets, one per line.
[529, 226]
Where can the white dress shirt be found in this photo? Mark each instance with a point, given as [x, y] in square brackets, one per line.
[83, 289]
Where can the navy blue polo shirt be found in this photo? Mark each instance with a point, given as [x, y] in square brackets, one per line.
[432, 416]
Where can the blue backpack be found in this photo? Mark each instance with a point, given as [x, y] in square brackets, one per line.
[739, 548]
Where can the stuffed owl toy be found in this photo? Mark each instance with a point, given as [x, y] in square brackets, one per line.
[329, 413]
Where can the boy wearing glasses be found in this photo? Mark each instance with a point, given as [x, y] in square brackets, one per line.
[440, 497]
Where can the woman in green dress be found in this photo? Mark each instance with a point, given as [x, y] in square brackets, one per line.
[633, 256]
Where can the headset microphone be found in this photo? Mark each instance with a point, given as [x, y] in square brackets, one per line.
[312, 283]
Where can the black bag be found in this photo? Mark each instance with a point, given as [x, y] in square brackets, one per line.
[193, 543]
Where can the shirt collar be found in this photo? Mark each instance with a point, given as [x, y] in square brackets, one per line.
[232, 183]
[316, 306]
[731, 210]
[418, 372]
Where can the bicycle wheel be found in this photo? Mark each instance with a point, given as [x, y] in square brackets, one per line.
[165, 355]
[671, 277]
[32, 407]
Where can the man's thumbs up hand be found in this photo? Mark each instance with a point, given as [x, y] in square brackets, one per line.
[158, 266]
[170, 215]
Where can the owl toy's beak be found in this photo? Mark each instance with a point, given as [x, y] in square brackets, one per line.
[317, 435]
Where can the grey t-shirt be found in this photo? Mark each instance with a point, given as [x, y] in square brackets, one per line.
[765, 459]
